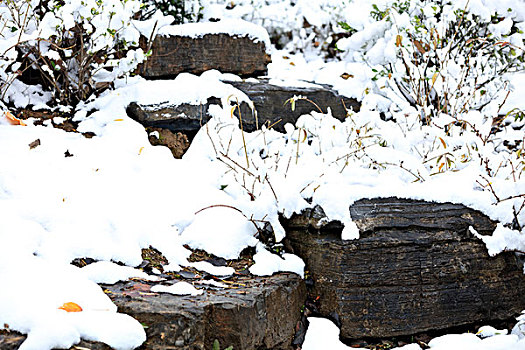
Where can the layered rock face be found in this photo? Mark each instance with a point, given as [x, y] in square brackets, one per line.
[415, 268]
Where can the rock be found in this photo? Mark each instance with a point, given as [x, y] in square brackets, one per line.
[10, 340]
[255, 313]
[177, 142]
[415, 268]
[269, 101]
[172, 55]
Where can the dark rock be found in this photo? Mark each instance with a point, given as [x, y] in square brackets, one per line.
[256, 313]
[269, 101]
[415, 268]
[10, 340]
[172, 55]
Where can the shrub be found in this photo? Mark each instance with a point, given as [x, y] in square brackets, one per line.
[77, 46]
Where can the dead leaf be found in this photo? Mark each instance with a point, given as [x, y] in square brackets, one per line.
[419, 46]
[399, 38]
[345, 76]
[71, 307]
[11, 119]
[34, 144]
[434, 77]
[443, 142]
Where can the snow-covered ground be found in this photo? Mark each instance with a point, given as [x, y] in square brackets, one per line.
[115, 194]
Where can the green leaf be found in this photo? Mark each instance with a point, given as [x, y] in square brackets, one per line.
[216, 345]
[345, 25]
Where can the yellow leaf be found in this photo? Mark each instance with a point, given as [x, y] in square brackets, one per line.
[434, 77]
[140, 150]
[399, 38]
[119, 120]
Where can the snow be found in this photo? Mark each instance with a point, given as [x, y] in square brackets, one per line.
[234, 27]
[266, 263]
[179, 288]
[110, 273]
[213, 270]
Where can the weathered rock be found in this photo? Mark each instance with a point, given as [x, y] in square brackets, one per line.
[172, 55]
[12, 340]
[177, 142]
[256, 313]
[415, 268]
[269, 101]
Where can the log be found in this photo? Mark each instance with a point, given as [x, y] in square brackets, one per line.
[415, 268]
[269, 101]
[172, 55]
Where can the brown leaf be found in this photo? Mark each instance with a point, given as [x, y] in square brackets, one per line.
[419, 46]
[34, 144]
[345, 76]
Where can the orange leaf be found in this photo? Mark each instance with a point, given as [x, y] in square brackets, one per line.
[11, 119]
[443, 142]
[71, 307]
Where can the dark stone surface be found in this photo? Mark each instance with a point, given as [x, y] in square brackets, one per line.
[172, 55]
[10, 340]
[415, 268]
[256, 313]
[269, 101]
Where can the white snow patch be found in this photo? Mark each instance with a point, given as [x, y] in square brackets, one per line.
[179, 288]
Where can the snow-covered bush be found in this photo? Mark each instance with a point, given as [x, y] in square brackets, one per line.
[181, 10]
[448, 55]
[440, 72]
[77, 46]
[295, 24]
